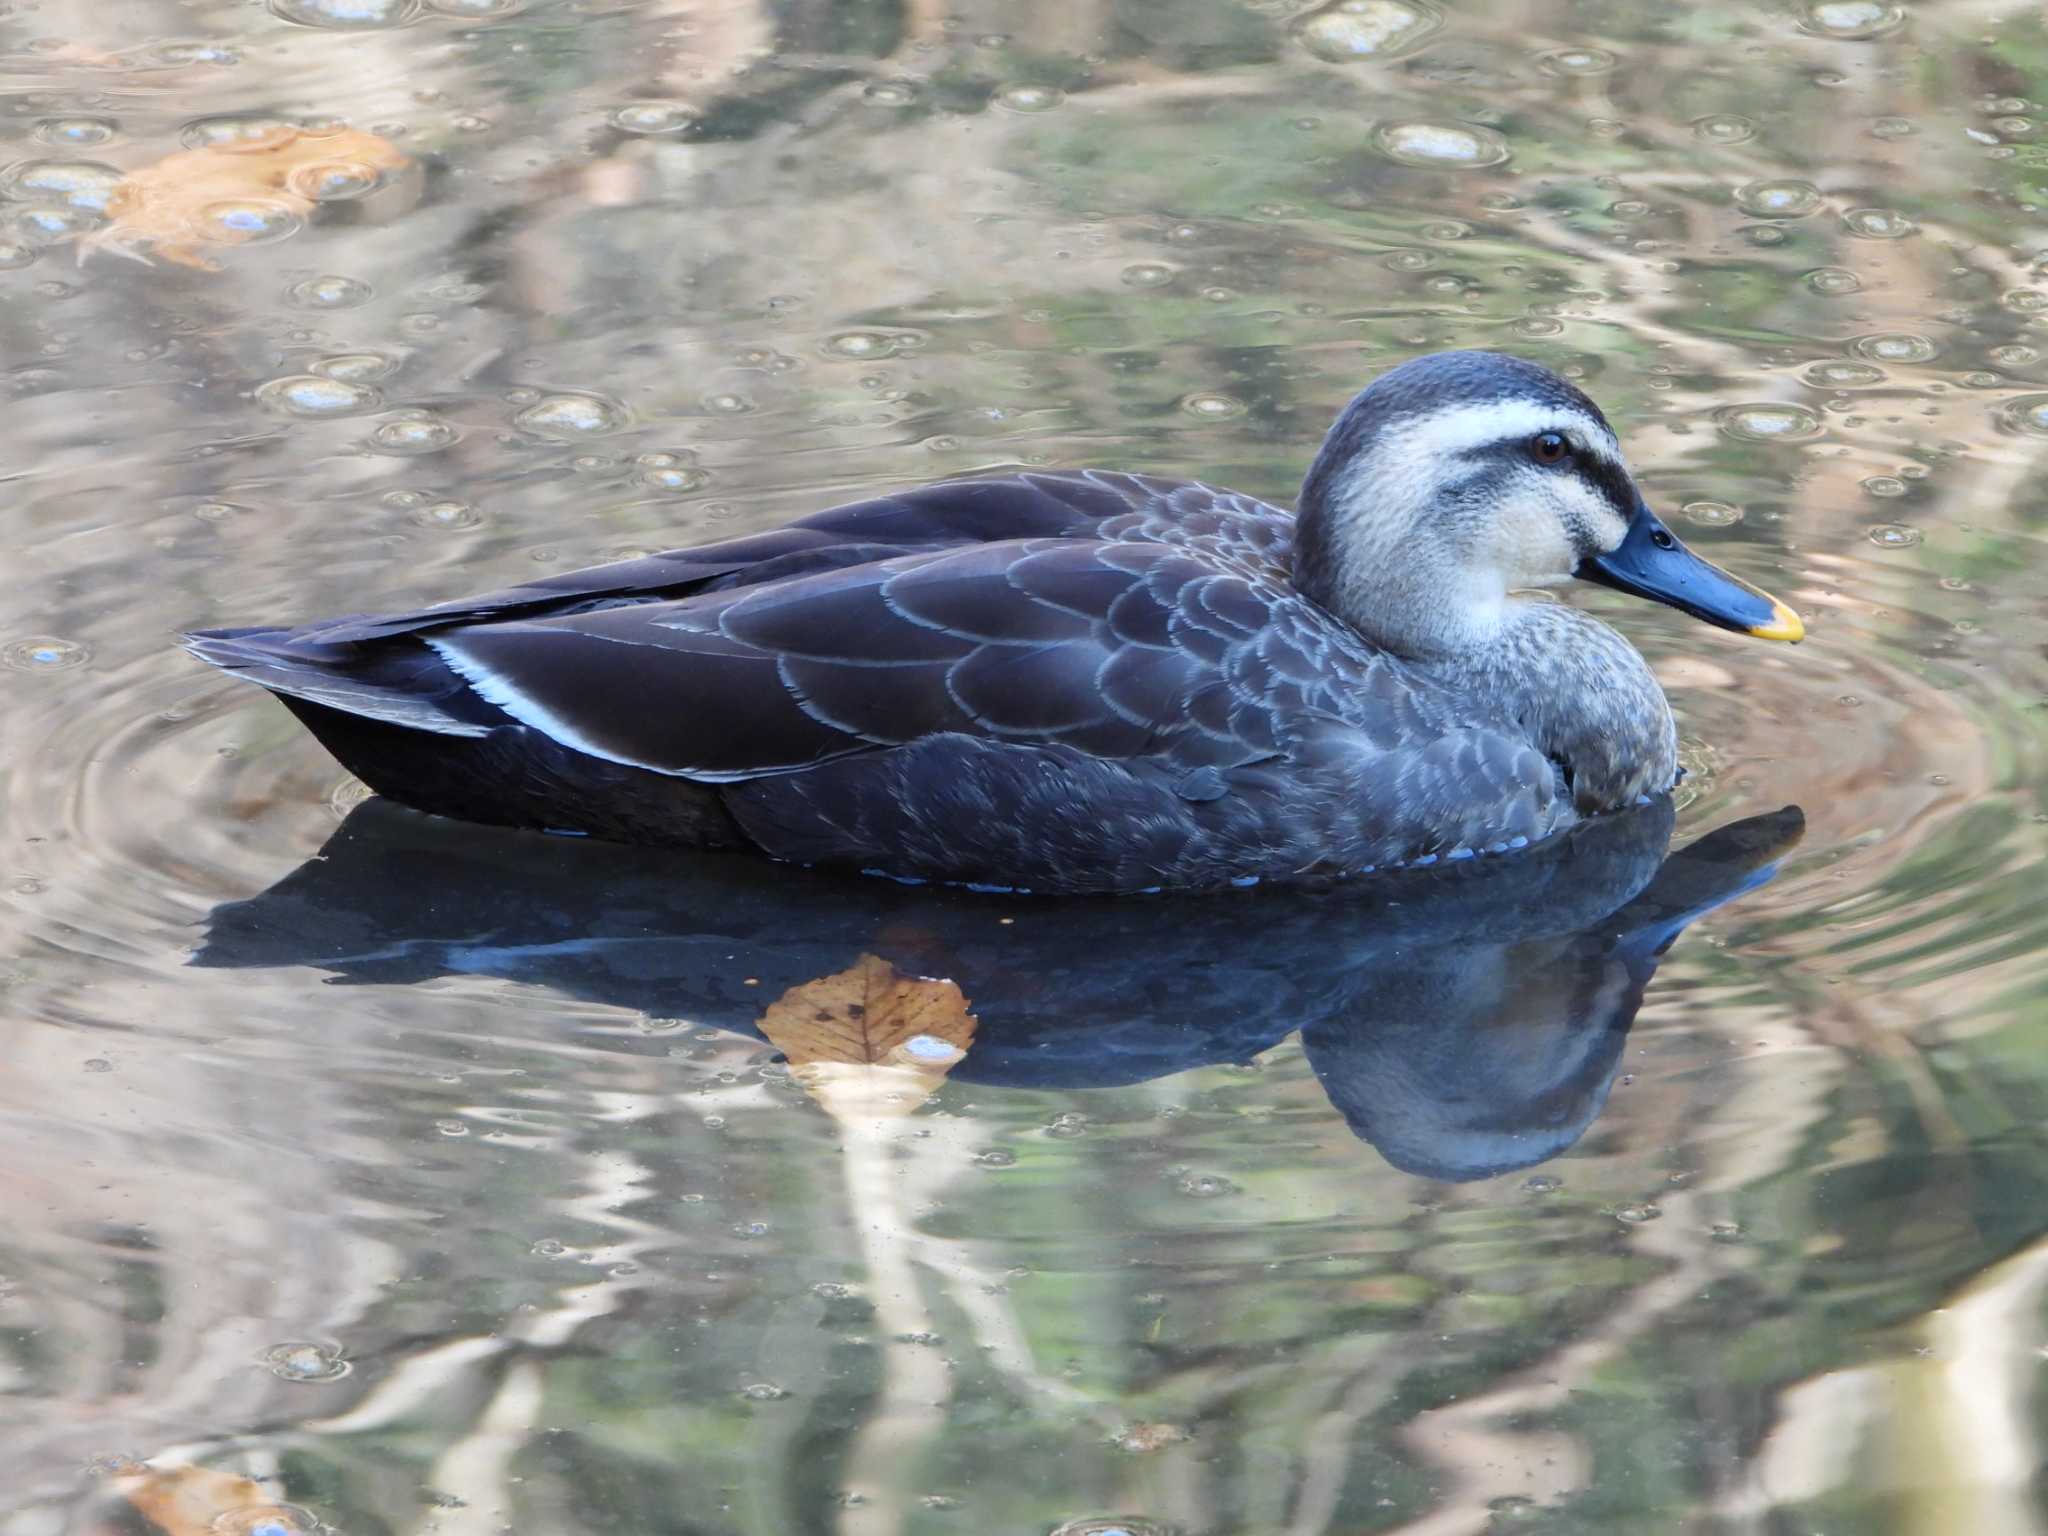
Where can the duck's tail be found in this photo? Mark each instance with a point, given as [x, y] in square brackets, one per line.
[400, 719]
[402, 685]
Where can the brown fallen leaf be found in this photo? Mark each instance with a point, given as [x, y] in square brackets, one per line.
[196, 1501]
[1141, 1439]
[869, 1040]
[239, 191]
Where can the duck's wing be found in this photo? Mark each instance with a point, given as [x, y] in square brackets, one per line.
[1112, 649]
[947, 514]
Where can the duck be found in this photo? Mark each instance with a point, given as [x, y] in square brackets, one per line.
[1073, 682]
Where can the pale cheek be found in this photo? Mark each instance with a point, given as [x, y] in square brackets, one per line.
[1533, 550]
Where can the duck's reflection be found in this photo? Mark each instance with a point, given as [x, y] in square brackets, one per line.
[1465, 1020]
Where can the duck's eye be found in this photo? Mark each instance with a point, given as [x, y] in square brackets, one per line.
[1550, 447]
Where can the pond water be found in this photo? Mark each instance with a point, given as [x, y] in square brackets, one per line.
[369, 1174]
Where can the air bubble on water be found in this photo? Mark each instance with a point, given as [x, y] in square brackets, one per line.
[14, 254]
[40, 226]
[1768, 422]
[1878, 223]
[1205, 1186]
[1536, 327]
[1368, 29]
[80, 184]
[477, 10]
[247, 221]
[1212, 407]
[2025, 413]
[75, 132]
[310, 395]
[1113, 1525]
[763, 1392]
[1724, 128]
[676, 479]
[1852, 19]
[348, 794]
[1444, 146]
[890, 93]
[329, 291]
[654, 117]
[238, 132]
[1833, 281]
[1711, 514]
[1896, 347]
[1842, 375]
[865, 345]
[571, 416]
[45, 653]
[995, 1157]
[1576, 61]
[334, 181]
[264, 1520]
[1029, 98]
[305, 1362]
[1885, 485]
[1780, 198]
[419, 433]
[2025, 301]
[1893, 536]
[356, 367]
[346, 14]
[550, 1248]
[1147, 274]
[1637, 1213]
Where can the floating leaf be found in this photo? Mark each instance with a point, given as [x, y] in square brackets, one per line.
[203, 1501]
[868, 1039]
[239, 191]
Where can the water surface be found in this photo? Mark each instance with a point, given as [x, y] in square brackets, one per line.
[382, 1176]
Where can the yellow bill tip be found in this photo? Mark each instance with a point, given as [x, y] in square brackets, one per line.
[1784, 625]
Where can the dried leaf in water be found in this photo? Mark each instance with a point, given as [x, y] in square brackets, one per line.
[199, 1501]
[869, 1039]
[240, 191]
[1141, 1439]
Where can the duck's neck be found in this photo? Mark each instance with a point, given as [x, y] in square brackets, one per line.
[1408, 589]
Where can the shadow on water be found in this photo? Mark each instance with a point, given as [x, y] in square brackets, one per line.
[1465, 1020]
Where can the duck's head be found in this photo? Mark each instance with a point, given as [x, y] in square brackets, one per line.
[1458, 478]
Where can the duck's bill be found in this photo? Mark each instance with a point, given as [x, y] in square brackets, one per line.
[1652, 563]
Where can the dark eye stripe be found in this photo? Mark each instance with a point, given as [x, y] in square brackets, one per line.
[1612, 482]
[1604, 475]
